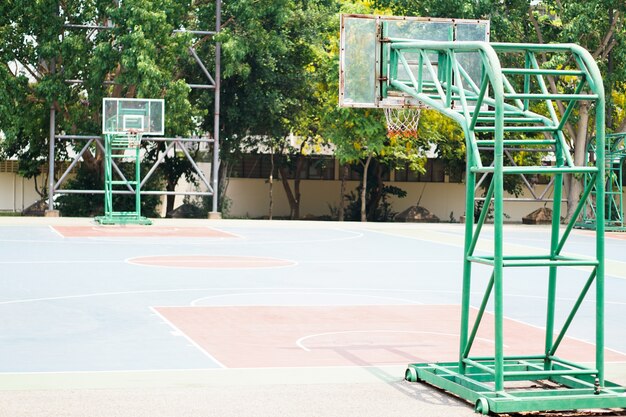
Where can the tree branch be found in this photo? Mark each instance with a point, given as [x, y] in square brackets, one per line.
[622, 126]
[607, 43]
[6, 64]
[30, 71]
[536, 26]
[608, 50]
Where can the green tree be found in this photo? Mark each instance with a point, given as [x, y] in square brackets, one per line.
[597, 25]
[360, 135]
[138, 56]
[268, 71]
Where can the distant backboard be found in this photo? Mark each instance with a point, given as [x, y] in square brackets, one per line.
[145, 115]
[360, 54]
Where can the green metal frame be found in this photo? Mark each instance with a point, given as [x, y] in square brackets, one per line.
[122, 146]
[494, 115]
[615, 154]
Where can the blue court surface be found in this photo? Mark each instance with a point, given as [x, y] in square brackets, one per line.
[123, 318]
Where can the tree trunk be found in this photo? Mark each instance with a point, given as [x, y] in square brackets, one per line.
[376, 192]
[169, 199]
[293, 197]
[224, 169]
[342, 192]
[364, 189]
[295, 210]
[580, 150]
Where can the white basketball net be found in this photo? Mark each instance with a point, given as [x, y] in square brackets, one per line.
[402, 121]
[134, 138]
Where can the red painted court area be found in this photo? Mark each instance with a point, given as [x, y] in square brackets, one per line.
[140, 231]
[274, 336]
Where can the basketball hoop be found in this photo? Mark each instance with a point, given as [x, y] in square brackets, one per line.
[133, 136]
[402, 122]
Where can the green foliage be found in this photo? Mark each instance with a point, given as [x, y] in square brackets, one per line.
[138, 56]
[268, 54]
[279, 68]
[381, 212]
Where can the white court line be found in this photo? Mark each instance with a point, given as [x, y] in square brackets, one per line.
[220, 370]
[176, 290]
[189, 339]
[81, 261]
[163, 232]
[291, 263]
[115, 293]
[235, 235]
[56, 231]
[213, 241]
[369, 261]
[543, 329]
[247, 241]
[610, 264]
[233, 369]
[300, 341]
[195, 302]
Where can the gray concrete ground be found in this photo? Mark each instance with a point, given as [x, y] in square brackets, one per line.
[371, 391]
[236, 393]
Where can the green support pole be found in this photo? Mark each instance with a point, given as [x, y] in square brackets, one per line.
[117, 147]
[495, 116]
[554, 250]
[467, 252]
[498, 221]
[600, 153]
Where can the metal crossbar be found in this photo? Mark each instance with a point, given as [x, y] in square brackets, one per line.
[501, 108]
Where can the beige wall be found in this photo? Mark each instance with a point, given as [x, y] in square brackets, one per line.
[184, 186]
[16, 192]
[250, 198]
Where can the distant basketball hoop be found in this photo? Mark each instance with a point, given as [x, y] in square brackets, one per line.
[124, 122]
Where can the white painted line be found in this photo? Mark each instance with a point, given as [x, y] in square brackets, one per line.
[300, 341]
[56, 231]
[234, 235]
[81, 261]
[132, 371]
[116, 293]
[306, 305]
[290, 264]
[566, 336]
[195, 302]
[189, 339]
[221, 370]
[245, 242]
[369, 261]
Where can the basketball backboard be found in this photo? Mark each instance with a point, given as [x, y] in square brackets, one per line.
[141, 115]
[360, 63]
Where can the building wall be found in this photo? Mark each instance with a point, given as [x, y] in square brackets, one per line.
[16, 192]
[250, 198]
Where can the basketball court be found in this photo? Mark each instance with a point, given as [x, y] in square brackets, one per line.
[233, 317]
